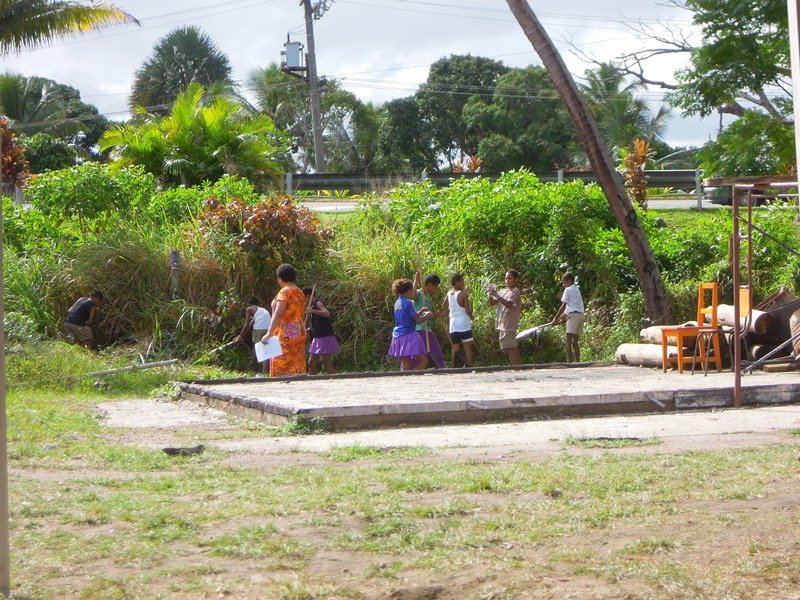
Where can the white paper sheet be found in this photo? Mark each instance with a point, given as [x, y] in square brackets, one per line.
[269, 350]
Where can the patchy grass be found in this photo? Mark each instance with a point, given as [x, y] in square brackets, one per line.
[90, 518]
[611, 442]
[359, 452]
[301, 426]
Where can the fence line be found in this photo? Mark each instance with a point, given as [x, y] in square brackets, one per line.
[684, 179]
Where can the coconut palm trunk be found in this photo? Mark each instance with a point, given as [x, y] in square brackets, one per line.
[650, 282]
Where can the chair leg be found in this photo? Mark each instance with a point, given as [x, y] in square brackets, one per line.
[697, 346]
[717, 351]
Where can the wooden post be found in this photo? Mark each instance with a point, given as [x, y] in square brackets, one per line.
[5, 547]
[175, 273]
[794, 51]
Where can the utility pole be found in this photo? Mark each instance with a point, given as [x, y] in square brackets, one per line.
[5, 546]
[313, 84]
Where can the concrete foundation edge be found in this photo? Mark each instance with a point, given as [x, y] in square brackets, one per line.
[352, 417]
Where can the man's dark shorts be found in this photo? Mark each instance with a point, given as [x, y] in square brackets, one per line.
[459, 337]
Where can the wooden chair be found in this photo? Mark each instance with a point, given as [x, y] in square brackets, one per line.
[707, 303]
[745, 318]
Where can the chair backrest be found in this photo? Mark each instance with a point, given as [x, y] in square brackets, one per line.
[707, 302]
[745, 308]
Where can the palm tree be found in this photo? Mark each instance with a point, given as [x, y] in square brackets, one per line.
[26, 24]
[621, 116]
[36, 104]
[183, 56]
[33, 23]
[200, 139]
[650, 281]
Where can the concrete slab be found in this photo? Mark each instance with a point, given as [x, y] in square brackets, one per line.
[347, 401]
[692, 430]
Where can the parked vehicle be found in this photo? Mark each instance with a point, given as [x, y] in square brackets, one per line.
[722, 195]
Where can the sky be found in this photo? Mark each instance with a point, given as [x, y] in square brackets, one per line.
[378, 49]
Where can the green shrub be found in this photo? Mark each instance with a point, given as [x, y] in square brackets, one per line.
[91, 193]
[476, 227]
[48, 153]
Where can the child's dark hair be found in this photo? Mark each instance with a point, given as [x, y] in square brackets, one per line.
[96, 294]
[514, 273]
[456, 277]
[286, 273]
[401, 286]
[254, 301]
[308, 290]
[568, 277]
[434, 279]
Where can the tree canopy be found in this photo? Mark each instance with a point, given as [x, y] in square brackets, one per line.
[32, 23]
[350, 127]
[451, 82]
[621, 115]
[200, 139]
[183, 56]
[36, 104]
[523, 125]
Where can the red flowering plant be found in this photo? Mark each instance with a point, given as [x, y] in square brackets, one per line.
[268, 233]
[15, 166]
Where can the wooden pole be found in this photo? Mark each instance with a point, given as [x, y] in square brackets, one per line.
[153, 365]
[5, 546]
[308, 308]
[314, 90]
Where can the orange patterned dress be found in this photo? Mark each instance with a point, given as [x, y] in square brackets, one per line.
[292, 334]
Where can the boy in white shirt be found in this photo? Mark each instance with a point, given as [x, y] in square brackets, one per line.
[572, 311]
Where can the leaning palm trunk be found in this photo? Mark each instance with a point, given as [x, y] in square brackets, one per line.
[650, 282]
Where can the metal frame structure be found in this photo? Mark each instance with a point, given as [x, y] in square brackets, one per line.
[747, 190]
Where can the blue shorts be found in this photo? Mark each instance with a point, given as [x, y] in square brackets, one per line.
[459, 337]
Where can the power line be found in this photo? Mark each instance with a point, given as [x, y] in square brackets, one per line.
[160, 25]
[591, 21]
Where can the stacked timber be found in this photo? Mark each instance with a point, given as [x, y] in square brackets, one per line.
[770, 324]
[643, 355]
[648, 352]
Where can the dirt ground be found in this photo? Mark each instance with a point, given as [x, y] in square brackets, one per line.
[746, 547]
[733, 548]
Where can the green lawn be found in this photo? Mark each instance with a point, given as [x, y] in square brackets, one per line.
[95, 518]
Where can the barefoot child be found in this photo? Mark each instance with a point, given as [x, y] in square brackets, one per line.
[406, 342]
[458, 311]
[424, 298]
[323, 342]
[571, 311]
[507, 303]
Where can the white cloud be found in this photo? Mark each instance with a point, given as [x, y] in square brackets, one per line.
[381, 48]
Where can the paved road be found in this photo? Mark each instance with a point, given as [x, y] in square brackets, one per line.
[325, 206]
[673, 204]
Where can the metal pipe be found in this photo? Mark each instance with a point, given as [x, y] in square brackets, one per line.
[772, 353]
[162, 363]
[737, 344]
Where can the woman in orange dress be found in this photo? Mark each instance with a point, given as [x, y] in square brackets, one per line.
[288, 315]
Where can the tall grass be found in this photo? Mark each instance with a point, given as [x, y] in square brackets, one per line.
[25, 278]
[477, 228]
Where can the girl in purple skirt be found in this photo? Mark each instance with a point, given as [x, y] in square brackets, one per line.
[323, 341]
[406, 343]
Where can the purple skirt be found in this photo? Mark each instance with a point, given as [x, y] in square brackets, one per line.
[324, 345]
[410, 344]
